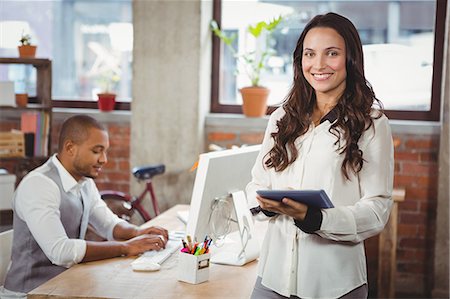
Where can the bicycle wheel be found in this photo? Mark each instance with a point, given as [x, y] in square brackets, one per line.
[121, 206]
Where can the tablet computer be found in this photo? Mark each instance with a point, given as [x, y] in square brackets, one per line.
[315, 198]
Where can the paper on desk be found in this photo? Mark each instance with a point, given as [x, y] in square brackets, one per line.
[183, 216]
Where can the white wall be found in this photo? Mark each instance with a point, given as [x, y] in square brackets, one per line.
[171, 84]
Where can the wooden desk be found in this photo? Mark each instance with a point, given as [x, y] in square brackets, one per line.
[114, 278]
[387, 250]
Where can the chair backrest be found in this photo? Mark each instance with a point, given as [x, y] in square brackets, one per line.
[5, 253]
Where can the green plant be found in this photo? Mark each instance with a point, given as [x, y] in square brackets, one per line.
[253, 62]
[107, 81]
[25, 40]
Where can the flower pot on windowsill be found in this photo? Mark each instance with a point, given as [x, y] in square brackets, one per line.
[254, 101]
[21, 99]
[27, 51]
[106, 101]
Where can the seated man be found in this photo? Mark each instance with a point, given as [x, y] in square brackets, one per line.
[53, 206]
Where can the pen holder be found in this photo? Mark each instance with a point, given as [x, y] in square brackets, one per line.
[193, 268]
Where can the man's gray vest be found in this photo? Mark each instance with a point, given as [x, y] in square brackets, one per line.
[30, 267]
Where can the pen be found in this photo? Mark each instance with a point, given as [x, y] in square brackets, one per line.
[189, 241]
[184, 244]
[207, 246]
[194, 248]
[198, 251]
[205, 243]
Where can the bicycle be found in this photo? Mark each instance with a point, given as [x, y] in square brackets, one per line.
[124, 205]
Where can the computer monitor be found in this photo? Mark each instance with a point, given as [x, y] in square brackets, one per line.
[219, 202]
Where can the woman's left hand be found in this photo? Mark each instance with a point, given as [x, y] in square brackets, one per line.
[287, 206]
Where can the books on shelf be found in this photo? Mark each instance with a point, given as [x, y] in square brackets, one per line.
[37, 123]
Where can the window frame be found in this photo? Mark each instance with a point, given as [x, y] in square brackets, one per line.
[87, 104]
[90, 102]
[438, 57]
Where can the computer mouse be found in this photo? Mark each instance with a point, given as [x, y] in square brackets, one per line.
[145, 266]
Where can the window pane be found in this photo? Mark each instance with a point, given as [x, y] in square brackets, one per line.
[397, 37]
[89, 43]
[23, 76]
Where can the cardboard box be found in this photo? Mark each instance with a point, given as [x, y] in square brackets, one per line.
[7, 182]
[12, 144]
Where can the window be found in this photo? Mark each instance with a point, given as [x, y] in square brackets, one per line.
[402, 42]
[89, 43]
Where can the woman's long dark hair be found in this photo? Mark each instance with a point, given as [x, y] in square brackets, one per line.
[353, 108]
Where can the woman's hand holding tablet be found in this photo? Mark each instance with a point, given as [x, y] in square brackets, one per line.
[314, 198]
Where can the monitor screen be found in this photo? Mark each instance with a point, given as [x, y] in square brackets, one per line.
[219, 174]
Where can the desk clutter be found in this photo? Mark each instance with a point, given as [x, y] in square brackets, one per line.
[193, 258]
[193, 261]
[196, 248]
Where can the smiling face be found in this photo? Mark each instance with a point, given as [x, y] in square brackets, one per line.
[324, 63]
[88, 156]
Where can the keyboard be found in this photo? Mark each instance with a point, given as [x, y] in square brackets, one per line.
[159, 256]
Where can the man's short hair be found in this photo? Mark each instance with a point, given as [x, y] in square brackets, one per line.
[76, 129]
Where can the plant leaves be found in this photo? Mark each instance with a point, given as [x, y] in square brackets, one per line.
[257, 29]
[228, 40]
[251, 62]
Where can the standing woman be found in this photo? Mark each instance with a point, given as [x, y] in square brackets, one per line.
[327, 135]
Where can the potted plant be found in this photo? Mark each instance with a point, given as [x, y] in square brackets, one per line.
[107, 97]
[26, 49]
[254, 97]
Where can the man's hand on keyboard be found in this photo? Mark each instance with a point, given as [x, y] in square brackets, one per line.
[143, 243]
[153, 230]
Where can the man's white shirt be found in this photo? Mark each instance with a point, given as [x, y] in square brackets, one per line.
[37, 202]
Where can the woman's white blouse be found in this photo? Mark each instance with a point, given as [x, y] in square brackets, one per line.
[331, 262]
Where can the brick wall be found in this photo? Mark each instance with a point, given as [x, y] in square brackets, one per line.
[116, 173]
[416, 170]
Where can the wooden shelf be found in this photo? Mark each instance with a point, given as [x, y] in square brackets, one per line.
[43, 77]
[30, 106]
[42, 102]
[37, 62]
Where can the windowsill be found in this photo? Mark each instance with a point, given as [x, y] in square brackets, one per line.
[116, 116]
[224, 120]
[415, 127]
[229, 120]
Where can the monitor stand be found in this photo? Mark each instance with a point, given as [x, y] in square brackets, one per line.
[239, 247]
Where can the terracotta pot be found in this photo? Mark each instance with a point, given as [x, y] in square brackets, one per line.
[21, 99]
[27, 51]
[254, 100]
[106, 101]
